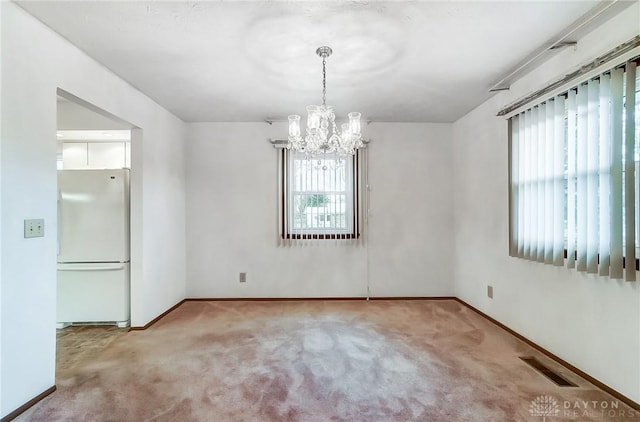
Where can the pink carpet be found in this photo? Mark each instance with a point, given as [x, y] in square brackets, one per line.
[315, 361]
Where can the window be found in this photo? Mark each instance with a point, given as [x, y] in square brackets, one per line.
[320, 196]
[573, 177]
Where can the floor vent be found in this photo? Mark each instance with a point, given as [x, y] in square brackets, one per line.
[553, 376]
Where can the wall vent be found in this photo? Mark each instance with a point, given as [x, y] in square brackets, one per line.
[549, 373]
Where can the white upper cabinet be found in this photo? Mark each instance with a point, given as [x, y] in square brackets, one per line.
[106, 155]
[96, 155]
[74, 156]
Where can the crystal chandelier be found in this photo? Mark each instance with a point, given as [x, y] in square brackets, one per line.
[322, 134]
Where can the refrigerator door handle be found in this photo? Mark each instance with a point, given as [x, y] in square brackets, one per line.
[90, 267]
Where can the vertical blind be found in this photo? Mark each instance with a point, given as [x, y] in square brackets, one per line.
[574, 177]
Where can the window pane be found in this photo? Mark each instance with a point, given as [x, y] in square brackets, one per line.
[321, 194]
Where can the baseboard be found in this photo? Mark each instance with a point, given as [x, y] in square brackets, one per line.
[27, 405]
[631, 403]
[290, 299]
[266, 299]
[280, 299]
[158, 318]
[412, 298]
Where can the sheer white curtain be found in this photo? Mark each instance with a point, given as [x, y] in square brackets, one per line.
[573, 177]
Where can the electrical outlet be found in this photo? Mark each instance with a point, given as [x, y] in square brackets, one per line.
[33, 228]
[243, 277]
[490, 291]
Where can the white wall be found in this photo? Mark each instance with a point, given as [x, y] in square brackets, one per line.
[35, 62]
[1, 289]
[591, 322]
[411, 219]
[72, 116]
[232, 218]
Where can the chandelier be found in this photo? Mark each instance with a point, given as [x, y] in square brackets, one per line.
[322, 134]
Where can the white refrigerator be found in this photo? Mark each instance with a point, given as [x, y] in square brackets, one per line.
[93, 247]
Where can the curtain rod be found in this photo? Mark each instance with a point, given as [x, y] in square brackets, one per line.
[583, 70]
[282, 143]
[562, 40]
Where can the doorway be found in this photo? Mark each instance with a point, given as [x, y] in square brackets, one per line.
[93, 271]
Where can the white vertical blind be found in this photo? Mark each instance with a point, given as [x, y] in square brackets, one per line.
[521, 154]
[593, 129]
[528, 158]
[581, 185]
[604, 171]
[533, 182]
[616, 270]
[514, 193]
[548, 180]
[558, 181]
[629, 170]
[573, 177]
[540, 185]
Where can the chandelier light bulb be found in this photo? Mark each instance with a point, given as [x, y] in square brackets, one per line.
[346, 131]
[294, 126]
[322, 135]
[354, 122]
[313, 119]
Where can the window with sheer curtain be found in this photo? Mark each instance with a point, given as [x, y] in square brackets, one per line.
[574, 177]
[320, 196]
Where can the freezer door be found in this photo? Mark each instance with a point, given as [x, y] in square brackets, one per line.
[93, 293]
[93, 215]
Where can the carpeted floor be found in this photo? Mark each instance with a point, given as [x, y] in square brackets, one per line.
[313, 361]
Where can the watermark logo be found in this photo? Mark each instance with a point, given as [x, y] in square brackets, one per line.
[548, 406]
[544, 406]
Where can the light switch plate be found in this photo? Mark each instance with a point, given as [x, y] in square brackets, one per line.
[34, 228]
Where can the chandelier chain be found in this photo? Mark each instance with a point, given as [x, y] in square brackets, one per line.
[324, 81]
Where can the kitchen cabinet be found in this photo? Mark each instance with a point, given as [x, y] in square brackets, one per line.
[74, 155]
[106, 155]
[96, 155]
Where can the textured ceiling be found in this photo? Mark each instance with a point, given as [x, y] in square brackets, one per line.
[250, 61]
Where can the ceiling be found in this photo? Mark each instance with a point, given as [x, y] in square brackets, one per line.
[251, 61]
